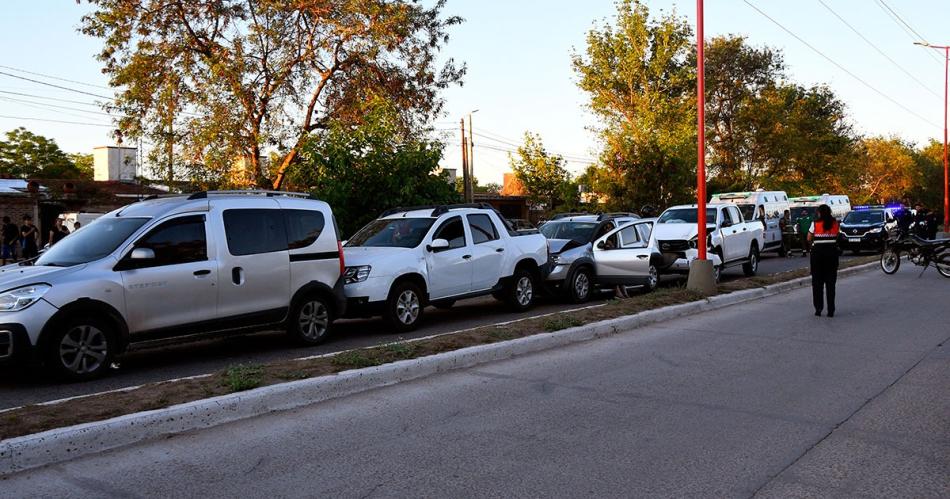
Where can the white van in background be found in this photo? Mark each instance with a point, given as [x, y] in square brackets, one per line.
[766, 207]
[840, 205]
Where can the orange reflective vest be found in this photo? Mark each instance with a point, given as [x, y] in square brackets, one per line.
[824, 234]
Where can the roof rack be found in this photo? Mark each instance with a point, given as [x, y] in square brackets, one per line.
[570, 214]
[616, 214]
[437, 209]
[249, 192]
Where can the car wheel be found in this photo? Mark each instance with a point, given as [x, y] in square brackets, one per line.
[310, 321]
[404, 307]
[752, 266]
[580, 286]
[444, 305]
[653, 278]
[520, 291]
[82, 348]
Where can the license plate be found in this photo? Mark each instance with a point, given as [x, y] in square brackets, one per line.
[854, 239]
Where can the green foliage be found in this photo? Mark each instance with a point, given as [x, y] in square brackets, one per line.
[27, 155]
[214, 82]
[243, 377]
[542, 174]
[84, 163]
[641, 84]
[928, 179]
[362, 170]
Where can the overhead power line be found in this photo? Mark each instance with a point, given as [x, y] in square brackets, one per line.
[879, 51]
[839, 66]
[24, 101]
[55, 86]
[914, 35]
[51, 98]
[54, 77]
[53, 121]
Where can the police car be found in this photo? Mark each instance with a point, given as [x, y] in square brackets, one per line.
[867, 228]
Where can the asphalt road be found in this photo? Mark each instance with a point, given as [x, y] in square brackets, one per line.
[715, 405]
[20, 387]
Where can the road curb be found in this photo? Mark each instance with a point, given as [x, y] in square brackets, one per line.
[62, 444]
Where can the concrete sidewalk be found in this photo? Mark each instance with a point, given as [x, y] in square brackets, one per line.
[757, 398]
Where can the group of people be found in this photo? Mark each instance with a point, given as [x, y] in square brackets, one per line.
[22, 242]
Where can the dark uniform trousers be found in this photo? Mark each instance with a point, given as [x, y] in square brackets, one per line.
[824, 274]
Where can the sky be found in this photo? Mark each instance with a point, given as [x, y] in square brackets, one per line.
[518, 54]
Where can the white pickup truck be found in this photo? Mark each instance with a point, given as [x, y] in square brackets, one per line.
[731, 240]
[409, 258]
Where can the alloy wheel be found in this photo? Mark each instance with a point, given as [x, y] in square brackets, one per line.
[83, 349]
[314, 319]
[407, 307]
[581, 285]
[524, 291]
[652, 278]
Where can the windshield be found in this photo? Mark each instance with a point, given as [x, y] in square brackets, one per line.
[748, 211]
[685, 216]
[92, 242]
[809, 210]
[864, 217]
[577, 231]
[392, 233]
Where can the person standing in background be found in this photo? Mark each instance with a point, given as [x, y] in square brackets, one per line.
[804, 223]
[11, 236]
[58, 232]
[29, 235]
[76, 226]
[823, 234]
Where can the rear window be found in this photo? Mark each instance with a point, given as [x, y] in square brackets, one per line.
[303, 227]
[255, 231]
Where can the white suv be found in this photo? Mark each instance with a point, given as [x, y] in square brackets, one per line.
[171, 268]
[411, 257]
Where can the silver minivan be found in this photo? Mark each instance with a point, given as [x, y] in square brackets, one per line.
[173, 268]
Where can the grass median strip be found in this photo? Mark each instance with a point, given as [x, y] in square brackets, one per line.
[36, 418]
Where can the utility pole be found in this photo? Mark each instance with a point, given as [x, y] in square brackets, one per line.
[470, 185]
[946, 162]
[466, 181]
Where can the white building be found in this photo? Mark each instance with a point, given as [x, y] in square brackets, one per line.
[115, 163]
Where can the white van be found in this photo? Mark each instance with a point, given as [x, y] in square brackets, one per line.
[766, 207]
[840, 205]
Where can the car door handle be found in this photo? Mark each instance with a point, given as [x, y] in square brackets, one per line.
[200, 273]
[466, 257]
[237, 275]
[642, 257]
[500, 250]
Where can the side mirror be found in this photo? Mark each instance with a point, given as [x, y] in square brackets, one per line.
[438, 244]
[142, 254]
[726, 224]
[602, 245]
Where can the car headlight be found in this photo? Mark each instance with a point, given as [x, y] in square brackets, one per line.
[694, 242]
[555, 259]
[20, 298]
[875, 230]
[353, 275]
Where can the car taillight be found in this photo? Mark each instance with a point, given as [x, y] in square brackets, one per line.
[339, 248]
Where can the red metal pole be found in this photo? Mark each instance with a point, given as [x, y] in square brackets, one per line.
[946, 173]
[701, 125]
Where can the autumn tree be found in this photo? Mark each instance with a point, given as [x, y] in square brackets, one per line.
[25, 154]
[541, 173]
[888, 170]
[638, 75]
[213, 82]
[928, 182]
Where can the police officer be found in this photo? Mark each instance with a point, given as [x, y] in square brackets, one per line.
[823, 235]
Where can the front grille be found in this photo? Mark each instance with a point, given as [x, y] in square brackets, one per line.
[673, 246]
[853, 232]
[6, 344]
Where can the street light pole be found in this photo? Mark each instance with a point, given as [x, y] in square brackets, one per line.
[701, 271]
[470, 187]
[946, 168]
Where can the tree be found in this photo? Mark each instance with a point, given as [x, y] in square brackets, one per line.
[542, 174]
[362, 170]
[641, 84]
[217, 81]
[27, 155]
[888, 170]
[928, 181]
[84, 163]
[736, 76]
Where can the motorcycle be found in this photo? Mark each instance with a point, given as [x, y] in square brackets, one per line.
[919, 251]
